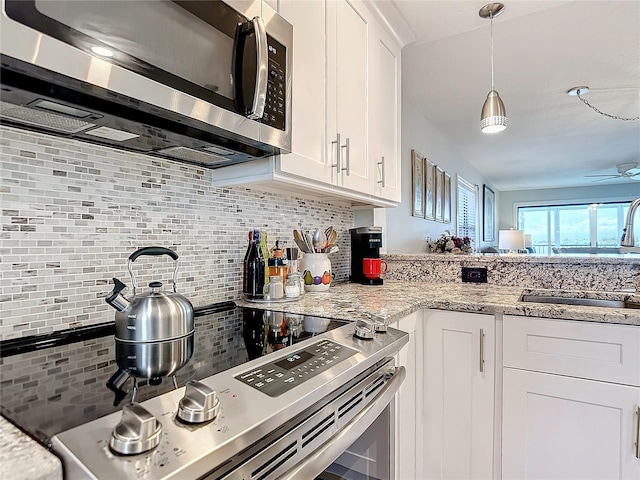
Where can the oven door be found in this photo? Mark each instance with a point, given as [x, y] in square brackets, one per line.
[363, 448]
[370, 456]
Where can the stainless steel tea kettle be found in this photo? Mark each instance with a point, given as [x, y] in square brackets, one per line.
[154, 330]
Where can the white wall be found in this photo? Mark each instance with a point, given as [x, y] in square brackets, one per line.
[405, 233]
[620, 192]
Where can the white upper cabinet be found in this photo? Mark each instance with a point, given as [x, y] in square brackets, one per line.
[310, 157]
[348, 35]
[345, 108]
[384, 108]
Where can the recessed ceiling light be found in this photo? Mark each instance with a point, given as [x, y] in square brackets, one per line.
[103, 52]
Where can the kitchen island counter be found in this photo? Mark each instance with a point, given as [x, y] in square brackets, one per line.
[396, 299]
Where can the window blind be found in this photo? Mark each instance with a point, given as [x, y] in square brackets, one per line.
[467, 210]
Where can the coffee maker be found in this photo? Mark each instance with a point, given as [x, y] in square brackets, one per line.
[365, 243]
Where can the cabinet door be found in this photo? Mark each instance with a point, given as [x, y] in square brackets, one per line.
[310, 157]
[384, 115]
[408, 414]
[459, 395]
[348, 26]
[561, 427]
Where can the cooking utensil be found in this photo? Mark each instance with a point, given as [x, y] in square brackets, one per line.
[308, 238]
[332, 237]
[302, 245]
[319, 240]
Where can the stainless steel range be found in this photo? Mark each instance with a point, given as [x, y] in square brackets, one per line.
[265, 395]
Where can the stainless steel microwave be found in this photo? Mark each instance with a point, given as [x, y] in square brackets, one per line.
[207, 82]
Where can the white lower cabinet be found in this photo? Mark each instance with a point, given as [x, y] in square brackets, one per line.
[459, 379]
[408, 401]
[571, 400]
[557, 427]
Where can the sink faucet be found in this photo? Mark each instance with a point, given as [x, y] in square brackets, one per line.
[627, 242]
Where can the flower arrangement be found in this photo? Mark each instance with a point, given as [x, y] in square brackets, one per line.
[447, 243]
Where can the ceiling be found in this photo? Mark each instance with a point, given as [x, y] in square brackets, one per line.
[541, 50]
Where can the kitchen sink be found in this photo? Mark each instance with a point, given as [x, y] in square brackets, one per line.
[586, 302]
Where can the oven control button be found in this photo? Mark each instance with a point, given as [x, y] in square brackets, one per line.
[137, 432]
[200, 404]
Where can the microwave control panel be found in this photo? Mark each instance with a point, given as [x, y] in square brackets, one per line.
[275, 105]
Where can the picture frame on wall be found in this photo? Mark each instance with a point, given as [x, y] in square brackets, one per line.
[430, 190]
[439, 195]
[489, 214]
[417, 174]
[446, 214]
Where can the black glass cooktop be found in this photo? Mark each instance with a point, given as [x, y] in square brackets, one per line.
[49, 384]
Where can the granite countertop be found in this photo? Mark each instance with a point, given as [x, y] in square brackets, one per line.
[22, 458]
[348, 301]
[396, 299]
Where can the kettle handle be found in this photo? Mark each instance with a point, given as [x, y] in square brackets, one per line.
[152, 251]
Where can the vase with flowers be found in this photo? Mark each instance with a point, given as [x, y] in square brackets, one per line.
[448, 243]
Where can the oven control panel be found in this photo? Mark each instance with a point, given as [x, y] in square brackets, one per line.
[281, 375]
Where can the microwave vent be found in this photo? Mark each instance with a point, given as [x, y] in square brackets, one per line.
[40, 118]
[189, 154]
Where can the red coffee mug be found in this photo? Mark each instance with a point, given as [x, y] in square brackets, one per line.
[372, 267]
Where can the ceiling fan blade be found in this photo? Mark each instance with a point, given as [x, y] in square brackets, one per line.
[605, 179]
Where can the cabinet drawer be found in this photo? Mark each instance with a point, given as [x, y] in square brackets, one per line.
[596, 351]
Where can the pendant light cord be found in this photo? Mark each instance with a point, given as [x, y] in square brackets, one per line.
[491, 19]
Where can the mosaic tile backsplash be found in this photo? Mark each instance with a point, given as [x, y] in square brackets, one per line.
[72, 213]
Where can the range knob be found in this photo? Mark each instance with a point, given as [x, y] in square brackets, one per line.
[364, 330]
[137, 432]
[200, 404]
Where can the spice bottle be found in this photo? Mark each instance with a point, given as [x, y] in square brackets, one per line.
[276, 287]
[277, 262]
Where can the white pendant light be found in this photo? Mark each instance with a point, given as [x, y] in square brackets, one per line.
[493, 118]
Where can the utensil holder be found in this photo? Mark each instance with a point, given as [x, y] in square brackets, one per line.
[315, 269]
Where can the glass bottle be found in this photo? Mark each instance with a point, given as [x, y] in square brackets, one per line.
[253, 268]
[277, 262]
[292, 269]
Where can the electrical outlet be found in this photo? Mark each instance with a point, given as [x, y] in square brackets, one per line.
[474, 274]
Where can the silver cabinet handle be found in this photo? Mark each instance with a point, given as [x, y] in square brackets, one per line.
[482, 350]
[638, 432]
[347, 162]
[381, 163]
[260, 93]
[347, 147]
[336, 142]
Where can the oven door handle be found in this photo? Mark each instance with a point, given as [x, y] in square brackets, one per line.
[319, 460]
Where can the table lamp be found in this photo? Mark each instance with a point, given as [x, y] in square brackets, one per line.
[512, 240]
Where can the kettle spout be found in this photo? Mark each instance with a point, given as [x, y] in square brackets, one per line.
[115, 298]
[116, 384]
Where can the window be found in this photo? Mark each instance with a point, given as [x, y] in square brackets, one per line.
[579, 226]
[467, 210]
